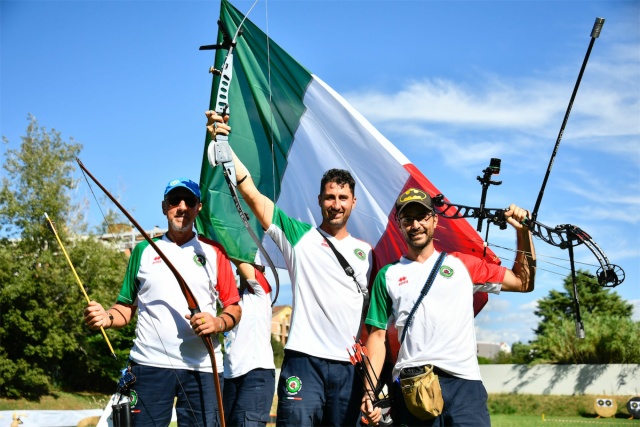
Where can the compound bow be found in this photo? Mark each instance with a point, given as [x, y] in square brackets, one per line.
[564, 236]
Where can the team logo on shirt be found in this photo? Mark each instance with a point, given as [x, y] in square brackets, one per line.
[294, 385]
[134, 398]
[360, 254]
[199, 259]
[403, 281]
[446, 271]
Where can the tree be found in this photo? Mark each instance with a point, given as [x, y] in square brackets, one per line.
[611, 335]
[521, 354]
[41, 306]
[593, 299]
[39, 181]
[608, 339]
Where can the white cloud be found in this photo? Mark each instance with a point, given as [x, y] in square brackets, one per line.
[500, 322]
[605, 116]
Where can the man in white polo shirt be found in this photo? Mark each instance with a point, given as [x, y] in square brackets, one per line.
[318, 384]
[441, 333]
[249, 368]
[168, 359]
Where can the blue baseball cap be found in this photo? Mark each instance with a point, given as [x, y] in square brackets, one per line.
[183, 182]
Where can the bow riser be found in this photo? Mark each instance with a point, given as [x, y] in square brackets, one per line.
[562, 236]
[219, 151]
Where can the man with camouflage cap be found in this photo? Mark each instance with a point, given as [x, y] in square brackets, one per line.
[441, 334]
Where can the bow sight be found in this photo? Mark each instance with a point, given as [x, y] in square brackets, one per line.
[564, 236]
[485, 181]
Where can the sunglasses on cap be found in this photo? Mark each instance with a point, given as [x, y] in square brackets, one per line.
[190, 201]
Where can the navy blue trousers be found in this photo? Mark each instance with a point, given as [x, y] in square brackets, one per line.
[247, 399]
[314, 391]
[465, 404]
[156, 389]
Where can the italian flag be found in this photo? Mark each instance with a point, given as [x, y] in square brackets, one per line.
[288, 128]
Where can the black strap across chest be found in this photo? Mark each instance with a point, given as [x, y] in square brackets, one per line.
[423, 293]
[343, 262]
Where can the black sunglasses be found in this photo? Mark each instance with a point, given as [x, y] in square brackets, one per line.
[190, 201]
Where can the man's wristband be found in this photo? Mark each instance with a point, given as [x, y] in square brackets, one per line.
[126, 322]
[233, 319]
[110, 318]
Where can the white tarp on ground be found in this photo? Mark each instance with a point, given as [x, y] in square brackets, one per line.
[47, 418]
[62, 418]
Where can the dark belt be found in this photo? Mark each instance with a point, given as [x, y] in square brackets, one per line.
[439, 372]
[413, 371]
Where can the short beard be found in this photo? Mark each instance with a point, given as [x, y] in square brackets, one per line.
[417, 247]
[173, 226]
[337, 223]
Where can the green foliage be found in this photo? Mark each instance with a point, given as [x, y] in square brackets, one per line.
[38, 181]
[484, 361]
[502, 406]
[521, 354]
[611, 335]
[43, 340]
[594, 299]
[278, 351]
[608, 339]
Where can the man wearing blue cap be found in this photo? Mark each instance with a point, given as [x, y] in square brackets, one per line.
[169, 360]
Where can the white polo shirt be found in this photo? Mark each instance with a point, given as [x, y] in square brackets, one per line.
[248, 345]
[442, 332]
[164, 338]
[327, 304]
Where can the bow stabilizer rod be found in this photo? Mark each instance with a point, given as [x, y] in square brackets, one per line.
[595, 32]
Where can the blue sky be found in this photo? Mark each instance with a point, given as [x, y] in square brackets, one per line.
[450, 83]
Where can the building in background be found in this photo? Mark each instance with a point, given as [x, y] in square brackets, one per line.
[281, 322]
[490, 350]
[125, 237]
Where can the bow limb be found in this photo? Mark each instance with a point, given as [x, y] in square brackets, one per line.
[192, 303]
[564, 236]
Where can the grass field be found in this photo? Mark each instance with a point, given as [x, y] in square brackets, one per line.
[534, 421]
[506, 410]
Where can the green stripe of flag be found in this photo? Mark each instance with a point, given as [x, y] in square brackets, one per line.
[265, 106]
